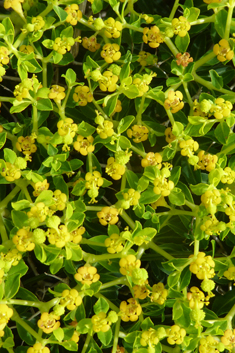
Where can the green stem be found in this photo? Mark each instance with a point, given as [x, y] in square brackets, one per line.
[116, 335]
[170, 349]
[20, 39]
[160, 251]
[123, 182]
[127, 25]
[196, 247]
[6, 99]
[176, 212]
[90, 162]
[173, 11]
[3, 231]
[94, 208]
[35, 119]
[138, 151]
[21, 302]
[191, 205]
[128, 219]
[203, 61]
[100, 110]
[91, 258]
[226, 150]
[85, 23]
[44, 73]
[9, 197]
[139, 113]
[229, 317]
[46, 11]
[190, 101]
[115, 282]
[203, 20]
[90, 242]
[171, 46]
[229, 20]
[27, 328]
[86, 344]
[210, 86]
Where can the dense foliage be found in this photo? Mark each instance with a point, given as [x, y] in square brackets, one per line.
[117, 173]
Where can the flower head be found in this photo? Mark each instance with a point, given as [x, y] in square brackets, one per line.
[74, 14]
[48, 322]
[38, 348]
[82, 95]
[110, 52]
[174, 101]
[71, 299]
[114, 169]
[223, 50]
[130, 310]
[57, 93]
[108, 215]
[87, 275]
[90, 43]
[152, 36]
[24, 240]
[84, 145]
[128, 264]
[112, 28]
[180, 26]
[26, 145]
[138, 133]
[203, 266]
[175, 335]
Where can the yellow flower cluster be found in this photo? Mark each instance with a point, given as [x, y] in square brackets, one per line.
[230, 273]
[212, 226]
[37, 24]
[180, 26]
[70, 299]
[76, 235]
[141, 291]
[131, 197]
[87, 275]
[74, 14]
[108, 215]
[5, 315]
[4, 56]
[94, 181]
[152, 159]
[196, 298]
[175, 335]
[60, 200]
[82, 95]
[206, 161]
[152, 36]
[38, 348]
[90, 43]
[228, 176]
[11, 258]
[228, 339]
[114, 169]
[111, 52]
[114, 243]
[210, 345]
[84, 145]
[174, 101]
[105, 129]
[203, 266]
[58, 237]
[130, 310]
[48, 322]
[100, 322]
[221, 109]
[223, 51]
[159, 293]
[62, 45]
[24, 240]
[169, 136]
[108, 82]
[14, 4]
[26, 145]
[162, 186]
[112, 28]
[138, 133]
[27, 49]
[22, 90]
[183, 59]
[11, 172]
[57, 93]
[128, 264]
[39, 211]
[211, 199]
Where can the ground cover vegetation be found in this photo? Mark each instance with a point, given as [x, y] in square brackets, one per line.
[117, 173]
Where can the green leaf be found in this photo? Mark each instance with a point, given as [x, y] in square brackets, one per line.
[182, 43]
[146, 324]
[46, 196]
[105, 337]
[84, 326]
[125, 123]
[188, 77]
[9, 155]
[148, 196]
[124, 142]
[20, 205]
[101, 306]
[176, 69]
[216, 79]
[40, 253]
[175, 175]
[24, 333]
[125, 71]
[130, 92]
[60, 13]
[199, 189]
[157, 96]
[222, 132]
[192, 14]
[97, 6]
[9, 29]
[59, 334]
[85, 129]
[177, 128]
[70, 76]
[177, 197]
[19, 218]
[173, 81]
[3, 137]
[12, 285]
[56, 265]
[70, 346]
[44, 105]
[220, 22]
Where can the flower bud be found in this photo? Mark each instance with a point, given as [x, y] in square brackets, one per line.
[98, 24]
[39, 236]
[58, 310]
[139, 276]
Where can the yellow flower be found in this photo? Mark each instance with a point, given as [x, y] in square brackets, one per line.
[24, 240]
[162, 186]
[128, 264]
[39, 211]
[60, 200]
[114, 169]
[27, 49]
[108, 82]
[105, 129]
[112, 28]
[76, 235]
[15, 5]
[48, 322]
[75, 337]
[228, 339]
[138, 133]
[110, 52]
[4, 58]
[57, 93]
[40, 186]
[84, 145]
[132, 197]
[175, 335]
[71, 299]
[223, 50]
[67, 127]
[58, 237]
[87, 275]
[180, 26]
[22, 90]
[90, 43]
[152, 159]
[108, 215]
[210, 344]
[74, 14]
[114, 243]
[210, 199]
[26, 145]
[203, 266]
[141, 291]
[146, 59]
[159, 293]
[228, 176]
[212, 226]
[38, 348]
[100, 322]
[38, 23]
[131, 311]
[230, 273]
[152, 36]
[221, 109]
[11, 172]
[183, 59]
[62, 45]
[169, 136]
[5, 315]
[93, 179]
[188, 147]
[196, 298]
[174, 101]
[82, 95]
[206, 161]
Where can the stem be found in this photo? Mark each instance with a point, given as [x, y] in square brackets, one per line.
[127, 25]
[229, 20]
[115, 282]
[196, 247]
[173, 11]
[100, 110]
[160, 251]
[116, 336]
[191, 205]
[170, 116]
[86, 344]
[202, 61]
[44, 73]
[139, 114]
[171, 46]
[35, 119]
[9, 197]
[94, 208]
[90, 242]
[210, 86]
[123, 182]
[91, 258]
[29, 329]
[20, 40]
[203, 20]
[22, 302]
[128, 219]
[3, 231]
[138, 151]
[46, 11]
[190, 101]
[230, 316]
[90, 162]
[175, 212]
